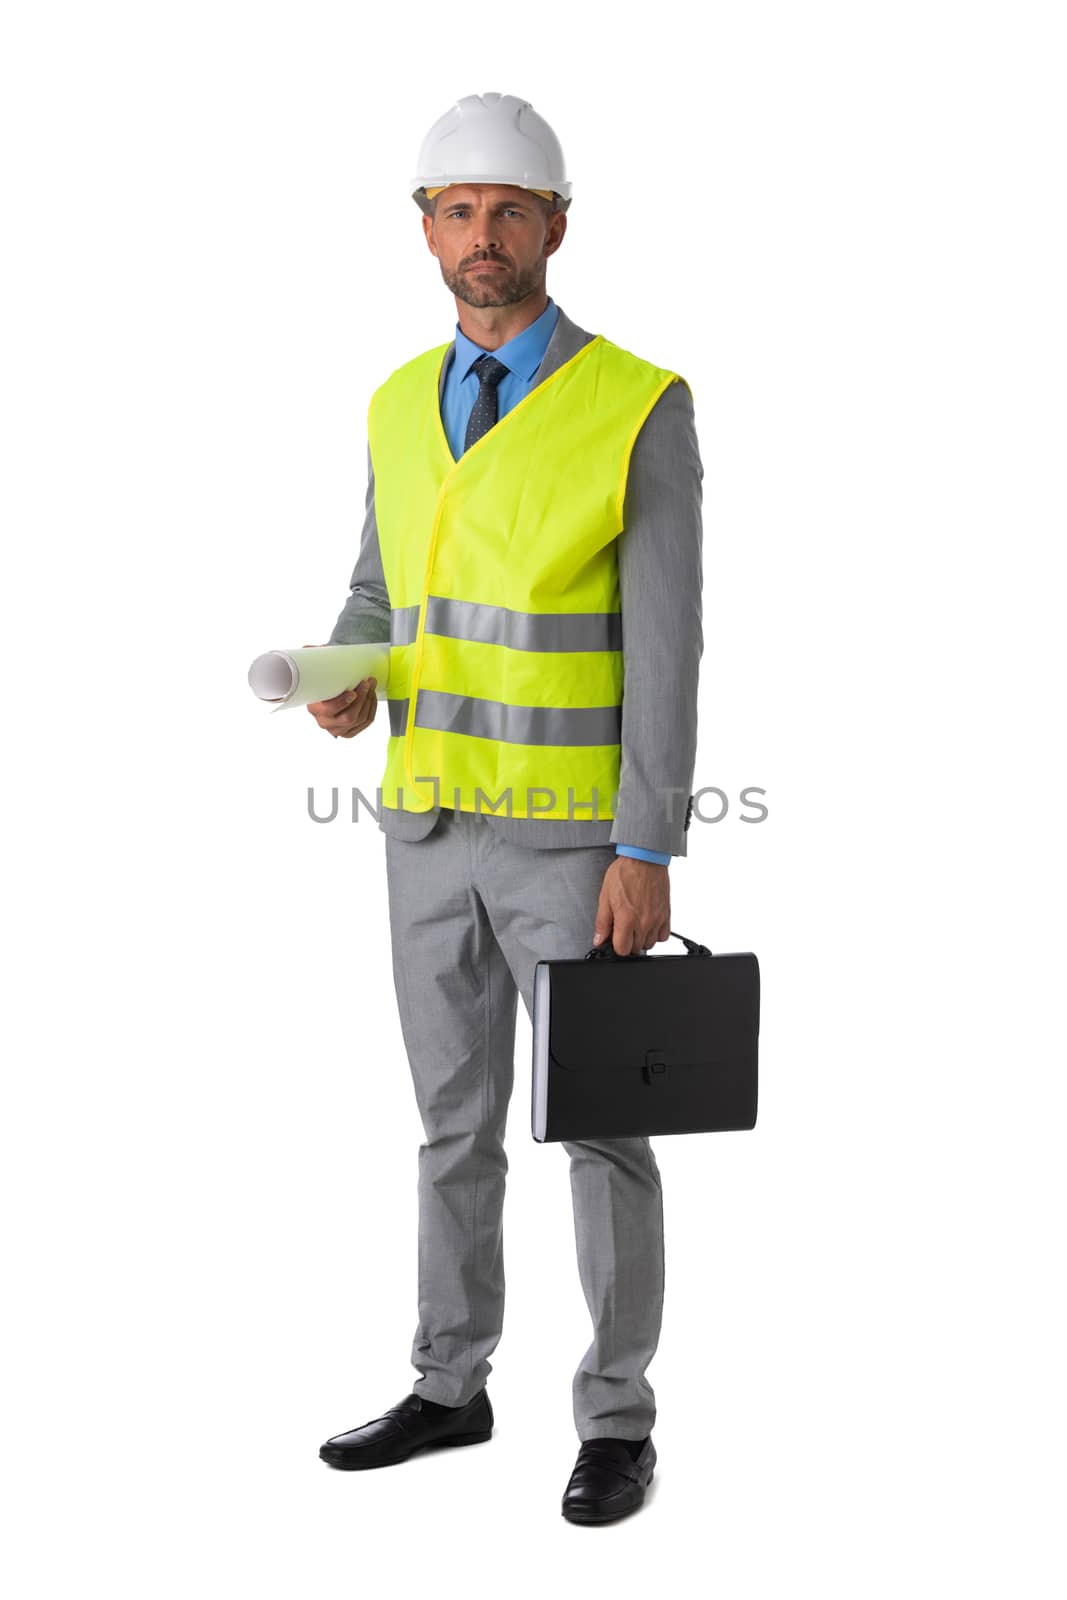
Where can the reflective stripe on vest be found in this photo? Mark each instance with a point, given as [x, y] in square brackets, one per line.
[506, 628]
[492, 719]
[518, 630]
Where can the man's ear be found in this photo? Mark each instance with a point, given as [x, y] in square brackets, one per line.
[427, 228]
[557, 227]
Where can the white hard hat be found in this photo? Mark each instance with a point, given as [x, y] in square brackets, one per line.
[491, 138]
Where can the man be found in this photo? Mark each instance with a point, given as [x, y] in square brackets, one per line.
[532, 544]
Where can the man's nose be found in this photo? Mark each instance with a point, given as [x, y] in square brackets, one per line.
[485, 234]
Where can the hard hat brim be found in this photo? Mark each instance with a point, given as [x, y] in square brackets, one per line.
[445, 180]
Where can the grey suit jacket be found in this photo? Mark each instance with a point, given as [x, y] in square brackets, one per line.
[660, 557]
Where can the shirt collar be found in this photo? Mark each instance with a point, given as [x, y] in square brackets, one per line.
[522, 355]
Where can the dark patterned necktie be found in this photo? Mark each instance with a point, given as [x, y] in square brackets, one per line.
[484, 412]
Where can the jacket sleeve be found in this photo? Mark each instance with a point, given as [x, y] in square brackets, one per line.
[364, 618]
[660, 553]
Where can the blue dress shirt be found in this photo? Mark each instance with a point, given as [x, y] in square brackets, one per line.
[522, 356]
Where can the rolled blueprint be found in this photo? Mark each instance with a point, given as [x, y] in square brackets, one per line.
[295, 677]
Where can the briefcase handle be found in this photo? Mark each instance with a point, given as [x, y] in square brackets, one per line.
[692, 948]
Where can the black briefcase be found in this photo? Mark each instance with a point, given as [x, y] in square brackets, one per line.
[625, 1046]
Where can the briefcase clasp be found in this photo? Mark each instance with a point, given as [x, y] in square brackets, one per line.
[655, 1065]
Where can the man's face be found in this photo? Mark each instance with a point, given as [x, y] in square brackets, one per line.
[492, 241]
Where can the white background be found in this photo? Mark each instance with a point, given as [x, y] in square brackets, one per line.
[844, 225]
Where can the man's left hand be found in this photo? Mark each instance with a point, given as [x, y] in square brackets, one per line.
[634, 910]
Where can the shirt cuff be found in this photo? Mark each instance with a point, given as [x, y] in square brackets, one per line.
[662, 857]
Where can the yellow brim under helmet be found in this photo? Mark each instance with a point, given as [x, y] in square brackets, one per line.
[546, 194]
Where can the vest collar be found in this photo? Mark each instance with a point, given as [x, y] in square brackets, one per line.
[454, 464]
[567, 339]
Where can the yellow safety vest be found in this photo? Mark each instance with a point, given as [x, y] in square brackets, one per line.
[505, 660]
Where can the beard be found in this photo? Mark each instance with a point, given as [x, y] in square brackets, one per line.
[494, 288]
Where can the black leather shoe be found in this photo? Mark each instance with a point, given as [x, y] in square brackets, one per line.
[606, 1482]
[408, 1427]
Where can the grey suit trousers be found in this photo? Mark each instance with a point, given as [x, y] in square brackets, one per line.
[471, 912]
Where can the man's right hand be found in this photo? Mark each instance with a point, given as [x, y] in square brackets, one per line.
[348, 713]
